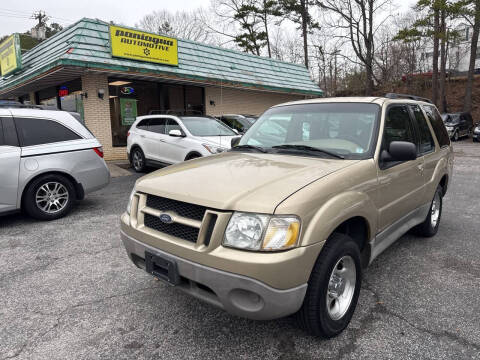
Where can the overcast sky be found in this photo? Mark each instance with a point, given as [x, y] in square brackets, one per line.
[15, 15]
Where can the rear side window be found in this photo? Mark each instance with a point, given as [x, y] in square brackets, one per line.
[143, 125]
[425, 139]
[41, 131]
[437, 125]
[9, 132]
[398, 126]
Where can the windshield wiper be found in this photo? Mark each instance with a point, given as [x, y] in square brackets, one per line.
[252, 147]
[307, 149]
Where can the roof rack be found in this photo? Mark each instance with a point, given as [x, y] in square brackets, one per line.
[406, 96]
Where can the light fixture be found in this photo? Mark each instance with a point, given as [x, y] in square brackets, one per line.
[101, 93]
[119, 83]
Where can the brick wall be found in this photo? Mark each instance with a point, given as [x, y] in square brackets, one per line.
[97, 115]
[233, 101]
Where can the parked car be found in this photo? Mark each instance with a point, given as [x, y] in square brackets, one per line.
[47, 160]
[286, 221]
[476, 133]
[239, 123]
[159, 140]
[458, 124]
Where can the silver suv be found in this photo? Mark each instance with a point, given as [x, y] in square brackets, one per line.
[47, 160]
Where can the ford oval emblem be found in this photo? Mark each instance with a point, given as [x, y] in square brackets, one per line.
[165, 218]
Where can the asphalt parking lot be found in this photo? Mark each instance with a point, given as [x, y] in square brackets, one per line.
[68, 291]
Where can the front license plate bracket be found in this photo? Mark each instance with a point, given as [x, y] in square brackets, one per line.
[162, 268]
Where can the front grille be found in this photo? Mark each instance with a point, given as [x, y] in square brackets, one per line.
[174, 229]
[191, 211]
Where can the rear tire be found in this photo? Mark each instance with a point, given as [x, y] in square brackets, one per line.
[333, 288]
[138, 160]
[431, 224]
[49, 197]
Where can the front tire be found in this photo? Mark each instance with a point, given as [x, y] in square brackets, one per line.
[455, 136]
[333, 288]
[431, 224]
[49, 197]
[138, 160]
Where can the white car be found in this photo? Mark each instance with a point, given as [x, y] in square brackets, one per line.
[159, 140]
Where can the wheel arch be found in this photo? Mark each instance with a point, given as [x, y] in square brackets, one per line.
[350, 213]
[191, 154]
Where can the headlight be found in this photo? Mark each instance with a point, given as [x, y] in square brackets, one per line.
[262, 232]
[449, 128]
[130, 199]
[213, 149]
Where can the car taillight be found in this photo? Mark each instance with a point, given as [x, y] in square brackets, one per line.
[128, 133]
[99, 151]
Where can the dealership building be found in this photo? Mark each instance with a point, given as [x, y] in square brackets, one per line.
[112, 74]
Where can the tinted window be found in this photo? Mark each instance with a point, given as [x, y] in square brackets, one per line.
[157, 125]
[425, 143]
[41, 131]
[398, 126]
[9, 132]
[143, 125]
[437, 125]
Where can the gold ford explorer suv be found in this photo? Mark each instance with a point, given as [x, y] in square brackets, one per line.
[285, 221]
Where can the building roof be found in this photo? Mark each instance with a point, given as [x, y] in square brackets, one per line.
[86, 45]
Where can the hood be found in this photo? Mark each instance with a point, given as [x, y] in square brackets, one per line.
[239, 181]
[223, 141]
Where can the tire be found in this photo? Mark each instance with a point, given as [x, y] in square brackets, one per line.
[49, 197]
[314, 315]
[430, 226]
[138, 160]
[455, 136]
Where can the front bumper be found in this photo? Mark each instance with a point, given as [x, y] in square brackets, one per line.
[237, 294]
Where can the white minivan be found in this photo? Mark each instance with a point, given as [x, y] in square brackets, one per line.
[159, 140]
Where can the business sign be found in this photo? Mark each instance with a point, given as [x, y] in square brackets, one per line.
[10, 55]
[143, 46]
[127, 90]
[128, 111]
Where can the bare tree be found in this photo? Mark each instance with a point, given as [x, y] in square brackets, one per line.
[472, 14]
[188, 25]
[356, 18]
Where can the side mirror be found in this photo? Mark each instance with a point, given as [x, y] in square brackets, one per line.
[235, 131]
[235, 141]
[399, 151]
[175, 133]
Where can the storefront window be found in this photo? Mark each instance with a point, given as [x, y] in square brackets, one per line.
[131, 98]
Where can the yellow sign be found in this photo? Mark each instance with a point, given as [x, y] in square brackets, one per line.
[10, 55]
[143, 46]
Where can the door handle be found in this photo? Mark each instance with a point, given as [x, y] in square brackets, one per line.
[142, 136]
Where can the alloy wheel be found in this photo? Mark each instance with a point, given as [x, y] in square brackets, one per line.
[51, 197]
[341, 287]
[137, 160]
[435, 210]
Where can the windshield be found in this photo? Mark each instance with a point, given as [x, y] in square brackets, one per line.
[204, 126]
[452, 119]
[345, 129]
